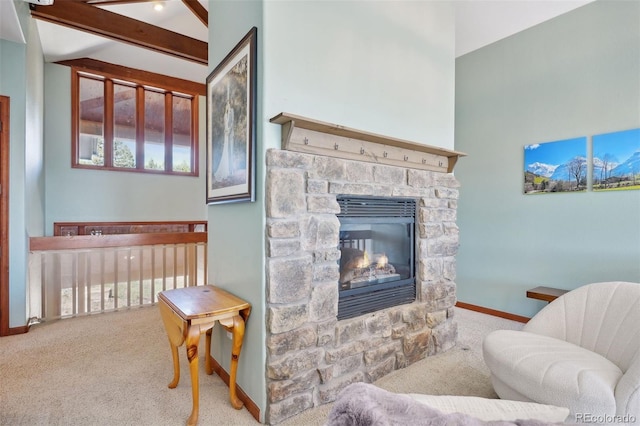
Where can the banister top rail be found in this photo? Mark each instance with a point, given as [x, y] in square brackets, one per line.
[104, 228]
[117, 240]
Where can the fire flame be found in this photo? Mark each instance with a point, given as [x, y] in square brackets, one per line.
[364, 262]
[379, 260]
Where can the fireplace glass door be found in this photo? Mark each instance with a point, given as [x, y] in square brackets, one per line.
[377, 254]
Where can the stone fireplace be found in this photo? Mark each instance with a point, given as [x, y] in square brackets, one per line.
[311, 355]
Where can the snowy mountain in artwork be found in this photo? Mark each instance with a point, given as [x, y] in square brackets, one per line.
[563, 171]
[631, 166]
[628, 167]
[541, 169]
[600, 164]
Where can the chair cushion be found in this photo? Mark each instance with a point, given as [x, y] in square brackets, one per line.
[552, 371]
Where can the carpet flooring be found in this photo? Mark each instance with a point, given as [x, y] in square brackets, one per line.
[113, 369]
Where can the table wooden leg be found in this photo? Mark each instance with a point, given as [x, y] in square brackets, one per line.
[174, 328]
[176, 365]
[238, 336]
[193, 338]
[207, 362]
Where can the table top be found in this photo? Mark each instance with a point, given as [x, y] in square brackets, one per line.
[202, 301]
[548, 294]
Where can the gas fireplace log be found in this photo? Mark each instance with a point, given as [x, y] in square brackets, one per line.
[366, 268]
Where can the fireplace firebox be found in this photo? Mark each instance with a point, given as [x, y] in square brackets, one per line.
[376, 243]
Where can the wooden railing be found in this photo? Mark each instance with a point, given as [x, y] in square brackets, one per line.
[84, 274]
[109, 228]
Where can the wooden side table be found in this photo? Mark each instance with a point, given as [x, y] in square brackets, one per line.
[189, 312]
[548, 294]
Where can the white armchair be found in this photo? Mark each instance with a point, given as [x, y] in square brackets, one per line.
[582, 351]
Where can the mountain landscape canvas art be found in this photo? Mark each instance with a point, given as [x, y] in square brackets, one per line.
[616, 161]
[559, 166]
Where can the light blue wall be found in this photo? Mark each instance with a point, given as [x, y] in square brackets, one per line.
[382, 67]
[576, 75]
[95, 195]
[236, 240]
[21, 68]
[13, 84]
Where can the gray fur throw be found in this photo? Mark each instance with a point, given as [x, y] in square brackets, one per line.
[363, 404]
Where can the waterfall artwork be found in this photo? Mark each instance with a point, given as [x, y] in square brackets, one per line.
[231, 89]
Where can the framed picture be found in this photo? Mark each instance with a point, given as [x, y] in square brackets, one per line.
[616, 161]
[231, 124]
[559, 166]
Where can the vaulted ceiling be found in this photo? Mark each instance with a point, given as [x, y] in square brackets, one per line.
[173, 41]
[132, 33]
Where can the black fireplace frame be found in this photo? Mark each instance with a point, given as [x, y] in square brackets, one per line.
[354, 302]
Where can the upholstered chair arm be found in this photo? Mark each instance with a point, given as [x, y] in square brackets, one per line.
[627, 391]
[550, 321]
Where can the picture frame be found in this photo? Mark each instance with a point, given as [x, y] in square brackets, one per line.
[616, 161]
[555, 167]
[231, 124]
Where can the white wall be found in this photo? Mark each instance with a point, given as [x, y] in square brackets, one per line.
[34, 134]
[381, 67]
[576, 75]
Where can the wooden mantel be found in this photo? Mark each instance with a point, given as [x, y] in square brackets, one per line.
[316, 137]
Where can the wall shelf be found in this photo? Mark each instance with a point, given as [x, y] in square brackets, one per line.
[316, 137]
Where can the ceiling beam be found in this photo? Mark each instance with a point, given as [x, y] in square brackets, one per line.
[94, 20]
[111, 2]
[136, 76]
[197, 9]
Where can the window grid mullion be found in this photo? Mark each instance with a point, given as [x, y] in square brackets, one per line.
[168, 132]
[108, 123]
[140, 108]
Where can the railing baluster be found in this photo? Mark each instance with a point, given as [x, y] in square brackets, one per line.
[164, 268]
[175, 267]
[185, 267]
[102, 293]
[205, 269]
[80, 282]
[68, 277]
[128, 259]
[140, 276]
[116, 287]
[153, 275]
[89, 283]
[53, 299]
[43, 276]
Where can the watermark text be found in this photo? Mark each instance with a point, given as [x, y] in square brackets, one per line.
[604, 418]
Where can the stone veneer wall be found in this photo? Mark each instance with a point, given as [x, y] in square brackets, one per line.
[311, 356]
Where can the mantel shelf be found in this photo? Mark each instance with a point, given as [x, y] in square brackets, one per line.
[316, 137]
